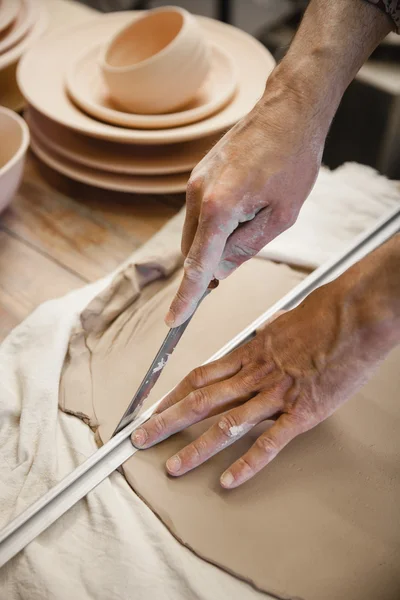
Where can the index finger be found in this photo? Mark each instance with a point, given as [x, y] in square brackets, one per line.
[200, 264]
[202, 376]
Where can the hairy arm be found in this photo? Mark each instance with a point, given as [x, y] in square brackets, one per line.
[252, 184]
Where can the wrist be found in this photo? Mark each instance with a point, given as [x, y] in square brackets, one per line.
[302, 91]
[333, 41]
[371, 292]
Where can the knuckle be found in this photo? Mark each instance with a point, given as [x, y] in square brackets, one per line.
[194, 268]
[302, 419]
[267, 445]
[244, 466]
[254, 376]
[196, 451]
[199, 403]
[227, 423]
[210, 205]
[198, 377]
[194, 186]
[159, 424]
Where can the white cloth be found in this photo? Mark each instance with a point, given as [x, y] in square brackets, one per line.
[343, 204]
[109, 545]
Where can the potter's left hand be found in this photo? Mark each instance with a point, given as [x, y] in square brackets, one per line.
[297, 371]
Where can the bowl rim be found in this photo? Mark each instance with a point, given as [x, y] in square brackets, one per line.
[187, 18]
[24, 142]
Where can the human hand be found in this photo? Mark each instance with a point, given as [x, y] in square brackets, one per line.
[247, 190]
[297, 371]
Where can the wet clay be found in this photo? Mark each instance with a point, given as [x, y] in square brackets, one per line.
[322, 521]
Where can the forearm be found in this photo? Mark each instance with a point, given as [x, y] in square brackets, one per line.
[331, 44]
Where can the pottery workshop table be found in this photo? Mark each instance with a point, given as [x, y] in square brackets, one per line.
[58, 235]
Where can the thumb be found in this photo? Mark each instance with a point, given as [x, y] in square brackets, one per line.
[200, 264]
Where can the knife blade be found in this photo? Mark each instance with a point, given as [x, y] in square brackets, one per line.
[156, 368]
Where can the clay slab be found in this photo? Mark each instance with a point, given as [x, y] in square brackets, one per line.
[322, 520]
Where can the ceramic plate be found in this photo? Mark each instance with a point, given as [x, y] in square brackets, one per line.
[114, 157]
[87, 88]
[40, 23]
[9, 10]
[162, 184]
[19, 27]
[41, 77]
[10, 96]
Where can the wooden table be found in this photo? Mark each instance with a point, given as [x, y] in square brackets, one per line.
[58, 235]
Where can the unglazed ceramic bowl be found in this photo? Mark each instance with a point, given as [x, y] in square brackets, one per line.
[14, 135]
[157, 63]
[41, 78]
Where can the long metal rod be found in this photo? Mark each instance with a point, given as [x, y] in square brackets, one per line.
[40, 515]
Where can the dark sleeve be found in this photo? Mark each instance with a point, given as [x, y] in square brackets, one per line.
[391, 8]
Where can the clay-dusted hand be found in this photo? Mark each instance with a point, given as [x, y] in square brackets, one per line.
[251, 186]
[297, 371]
[247, 190]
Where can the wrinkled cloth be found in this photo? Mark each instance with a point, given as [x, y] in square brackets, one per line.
[109, 545]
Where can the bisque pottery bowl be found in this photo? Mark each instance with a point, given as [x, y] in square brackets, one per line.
[14, 136]
[157, 63]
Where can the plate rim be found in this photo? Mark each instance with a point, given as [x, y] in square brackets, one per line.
[147, 121]
[124, 135]
[56, 164]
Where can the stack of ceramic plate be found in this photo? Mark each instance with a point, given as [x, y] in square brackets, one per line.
[21, 23]
[77, 131]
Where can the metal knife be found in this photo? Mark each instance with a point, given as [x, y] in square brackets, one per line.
[157, 366]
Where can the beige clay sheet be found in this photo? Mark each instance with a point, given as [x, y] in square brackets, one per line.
[322, 521]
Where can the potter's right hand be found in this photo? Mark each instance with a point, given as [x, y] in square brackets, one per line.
[251, 186]
[247, 190]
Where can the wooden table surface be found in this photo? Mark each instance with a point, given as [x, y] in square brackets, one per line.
[58, 235]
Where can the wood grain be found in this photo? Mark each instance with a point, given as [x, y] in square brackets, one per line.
[58, 235]
[27, 278]
[89, 232]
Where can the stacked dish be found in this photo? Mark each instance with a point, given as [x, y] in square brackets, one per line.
[14, 135]
[132, 101]
[21, 24]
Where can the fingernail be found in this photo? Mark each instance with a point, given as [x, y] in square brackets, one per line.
[139, 437]
[226, 479]
[170, 319]
[174, 464]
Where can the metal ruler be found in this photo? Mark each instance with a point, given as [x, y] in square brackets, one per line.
[42, 513]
